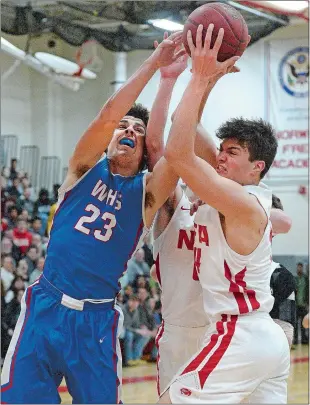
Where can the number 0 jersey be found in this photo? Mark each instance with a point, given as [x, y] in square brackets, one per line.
[96, 228]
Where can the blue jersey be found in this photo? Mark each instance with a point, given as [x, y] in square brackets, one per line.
[95, 231]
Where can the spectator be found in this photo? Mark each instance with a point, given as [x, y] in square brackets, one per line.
[31, 258]
[11, 315]
[22, 271]
[12, 217]
[22, 238]
[50, 218]
[37, 272]
[6, 243]
[127, 293]
[141, 282]
[137, 266]
[7, 271]
[25, 202]
[36, 225]
[148, 250]
[146, 315]
[302, 303]
[136, 334]
[37, 242]
[42, 208]
[14, 190]
[17, 284]
[13, 169]
[56, 187]
[4, 336]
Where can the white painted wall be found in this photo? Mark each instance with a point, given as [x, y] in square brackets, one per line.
[54, 118]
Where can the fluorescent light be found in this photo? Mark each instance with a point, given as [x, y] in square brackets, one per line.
[166, 25]
[290, 5]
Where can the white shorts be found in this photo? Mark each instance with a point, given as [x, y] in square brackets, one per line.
[243, 359]
[175, 345]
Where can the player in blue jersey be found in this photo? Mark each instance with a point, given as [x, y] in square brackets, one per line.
[69, 323]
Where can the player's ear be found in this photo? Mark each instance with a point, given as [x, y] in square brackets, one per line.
[259, 166]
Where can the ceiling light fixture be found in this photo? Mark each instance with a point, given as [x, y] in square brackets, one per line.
[166, 25]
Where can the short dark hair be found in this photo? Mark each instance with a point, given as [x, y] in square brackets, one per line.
[300, 264]
[276, 202]
[257, 135]
[139, 111]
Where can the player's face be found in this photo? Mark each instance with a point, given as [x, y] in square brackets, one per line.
[234, 164]
[128, 140]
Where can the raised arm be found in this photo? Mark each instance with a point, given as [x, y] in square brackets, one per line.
[99, 134]
[225, 195]
[159, 112]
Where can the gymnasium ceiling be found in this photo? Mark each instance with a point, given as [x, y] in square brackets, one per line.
[116, 25]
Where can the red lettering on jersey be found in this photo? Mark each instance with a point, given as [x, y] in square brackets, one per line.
[203, 234]
[197, 263]
[184, 239]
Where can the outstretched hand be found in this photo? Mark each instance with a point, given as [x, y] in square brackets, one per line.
[204, 58]
[165, 52]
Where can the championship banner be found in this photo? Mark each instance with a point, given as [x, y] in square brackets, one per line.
[287, 106]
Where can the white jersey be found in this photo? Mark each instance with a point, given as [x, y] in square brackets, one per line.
[173, 251]
[232, 283]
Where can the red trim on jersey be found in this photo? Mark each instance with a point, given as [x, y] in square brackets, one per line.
[157, 269]
[157, 339]
[193, 365]
[214, 360]
[239, 289]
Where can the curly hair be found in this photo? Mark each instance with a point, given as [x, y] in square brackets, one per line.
[257, 135]
[276, 202]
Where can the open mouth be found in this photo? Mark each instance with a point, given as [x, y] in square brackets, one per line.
[127, 142]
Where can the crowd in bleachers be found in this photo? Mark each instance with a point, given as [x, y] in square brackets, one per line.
[25, 225]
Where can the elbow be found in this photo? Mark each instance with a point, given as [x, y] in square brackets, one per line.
[170, 155]
[287, 225]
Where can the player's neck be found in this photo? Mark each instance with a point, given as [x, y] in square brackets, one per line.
[117, 168]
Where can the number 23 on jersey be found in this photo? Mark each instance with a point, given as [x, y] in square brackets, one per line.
[108, 223]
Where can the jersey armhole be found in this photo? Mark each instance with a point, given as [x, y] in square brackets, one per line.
[62, 191]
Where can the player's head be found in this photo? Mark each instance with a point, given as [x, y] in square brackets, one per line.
[276, 202]
[247, 150]
[128, 143]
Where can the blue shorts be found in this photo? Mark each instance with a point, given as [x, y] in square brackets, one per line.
[52, 340]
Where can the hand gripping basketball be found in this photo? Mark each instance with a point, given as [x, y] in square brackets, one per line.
[204, 58]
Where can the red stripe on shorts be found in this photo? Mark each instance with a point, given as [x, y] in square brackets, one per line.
[193, 365]
[214, 360]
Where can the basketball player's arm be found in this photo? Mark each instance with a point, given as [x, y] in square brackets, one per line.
[226, 196]
[281, 222]
[99, 134]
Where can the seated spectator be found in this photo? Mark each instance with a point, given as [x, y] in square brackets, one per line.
[24, 215]
[50, 218]
[12, 217]
[22, 271]
[136, 266]
[3, 326]
[140, 282]
[7, 272]
[10, 318]
[22, 238]
[136, 334]
[148, 250]
[14, 190]
[42, 208]
[17, 284]
[25, 202]
[127, 293]
[36, 226]
[37, 242]
[146, 315]
[37, 272]
[31, 258]
[6, 242]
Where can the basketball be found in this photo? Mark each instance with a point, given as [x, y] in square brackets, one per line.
[222, 16]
